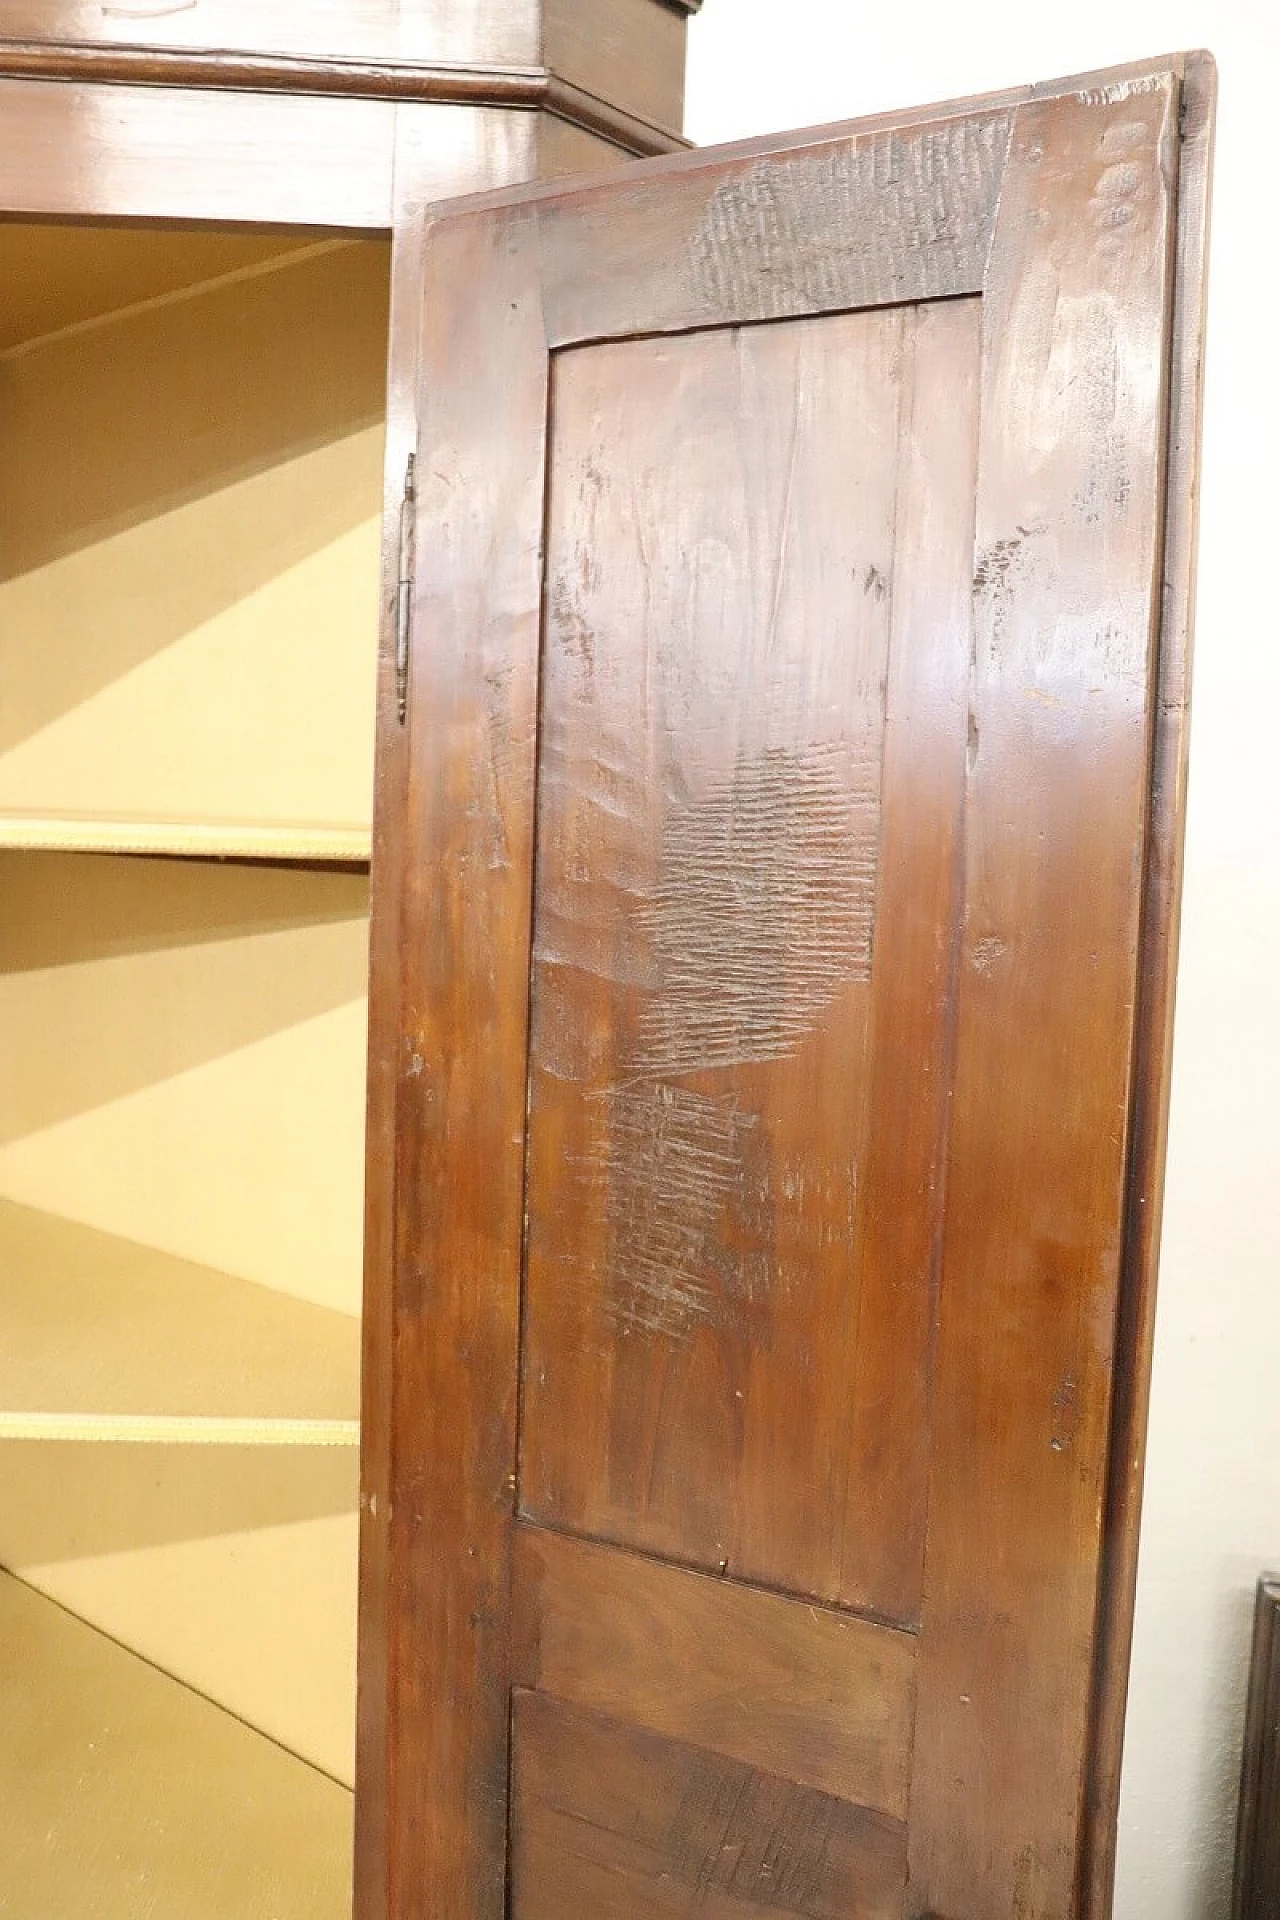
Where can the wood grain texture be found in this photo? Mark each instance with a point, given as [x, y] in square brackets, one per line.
[863, 220]
[622, 1825]
[736, 1117]
[1256, 1891]
[493, 149]
[463, 1044]
[805, 1692]
[231, 75]
[629, 51]
[1069, 496]
[1153, 1043]
[503, 152]
[1067, 601]
[79, 151]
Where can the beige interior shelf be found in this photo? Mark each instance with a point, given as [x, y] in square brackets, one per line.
[124, 1794]
[108, 1340]
[191, 506]
[183, 839]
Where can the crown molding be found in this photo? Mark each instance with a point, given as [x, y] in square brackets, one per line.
[522, 89]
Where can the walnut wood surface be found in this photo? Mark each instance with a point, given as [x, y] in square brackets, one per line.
[1066, 600]
[1057, 208]
[615, 66]
[831, 1698]
[1153, 1044]
[735, 1119]
[1256, 1894]
[614, 1822]
[510, 148]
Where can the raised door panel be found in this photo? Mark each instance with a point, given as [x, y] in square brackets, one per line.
[780, 733]
[749, 789]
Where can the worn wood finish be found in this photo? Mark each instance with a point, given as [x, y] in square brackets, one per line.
[505, 154]
[831, 1698]
[1066, 605]
[735, 1119]
[1057, 207]
[464, 954]
[617, 1823]
[896, 215]
[1153, 1045]
[631, 51]
[1256, 1894]
[511, 148]
[76, 150]
[79, 151]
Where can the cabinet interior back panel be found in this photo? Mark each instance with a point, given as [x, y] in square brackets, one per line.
[184, 1068]
[184, 1050]
[190, 499]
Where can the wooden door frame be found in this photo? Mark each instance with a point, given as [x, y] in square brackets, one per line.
[1195, 77]
[407, 132]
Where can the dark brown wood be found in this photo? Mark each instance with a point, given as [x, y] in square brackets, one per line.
[831, 1698]
[514, 151]
[702, 1103]
[1153, 1043]
[1067, 602]
[1256, 1894]
[461, 1068]
[581, 695]
[616, 1823]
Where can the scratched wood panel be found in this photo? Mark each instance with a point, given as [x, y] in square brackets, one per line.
[738, 943]
[774, 1682]
[1066, 609]
[463, 954]
[903, 213]
[623, 1825]
[1072, 426]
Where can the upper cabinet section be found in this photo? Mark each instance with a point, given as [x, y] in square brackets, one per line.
[630, 52]
[191, 507]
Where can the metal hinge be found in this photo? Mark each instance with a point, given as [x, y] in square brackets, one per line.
[404, 588]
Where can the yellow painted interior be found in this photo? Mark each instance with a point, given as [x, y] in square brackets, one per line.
[191, 431]
[190, 506]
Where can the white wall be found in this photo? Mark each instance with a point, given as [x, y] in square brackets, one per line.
[1212, 1517]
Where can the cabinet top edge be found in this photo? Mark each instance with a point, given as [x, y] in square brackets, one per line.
[514, 87]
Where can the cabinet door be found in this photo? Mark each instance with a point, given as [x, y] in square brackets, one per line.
[791, 717]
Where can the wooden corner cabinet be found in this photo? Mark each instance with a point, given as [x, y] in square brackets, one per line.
[209, 238]
[785, 817]
[726, 1021]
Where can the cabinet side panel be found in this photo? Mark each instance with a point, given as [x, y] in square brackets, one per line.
[77, 151]
[629, 51]
[429, 30]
